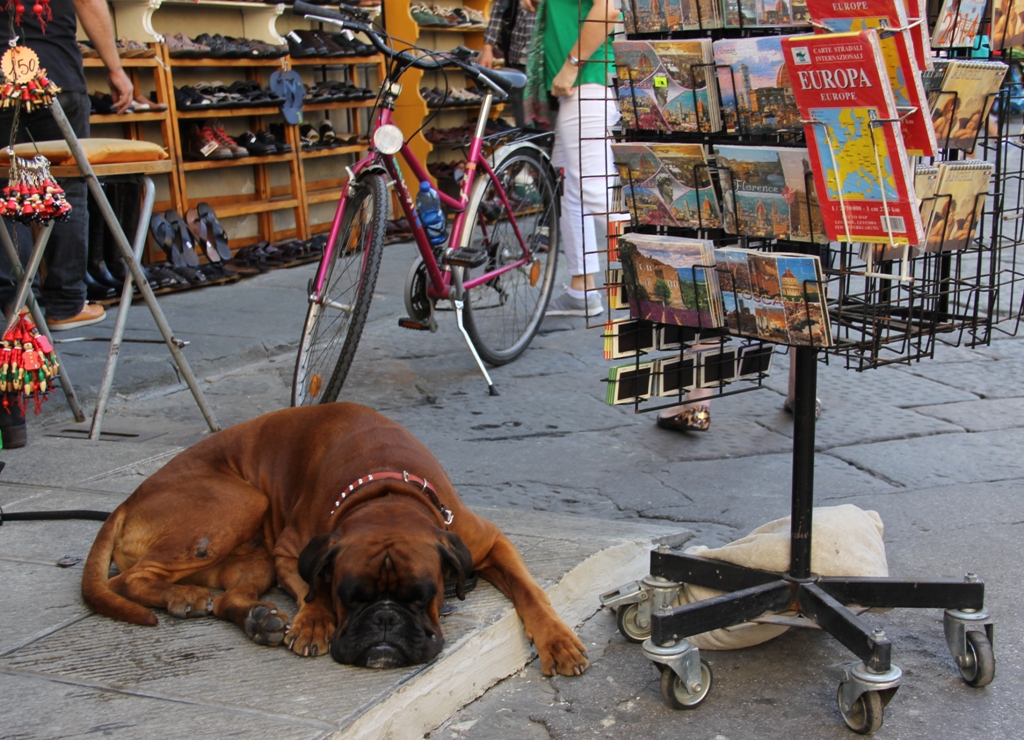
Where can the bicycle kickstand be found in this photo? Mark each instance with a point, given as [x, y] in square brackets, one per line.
[457, 295]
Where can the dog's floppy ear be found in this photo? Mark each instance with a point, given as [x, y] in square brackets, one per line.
[316, 560]
[457, 557]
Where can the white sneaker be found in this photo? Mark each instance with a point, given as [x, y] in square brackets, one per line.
[567, 305]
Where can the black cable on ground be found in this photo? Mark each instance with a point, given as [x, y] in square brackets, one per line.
[27, 516]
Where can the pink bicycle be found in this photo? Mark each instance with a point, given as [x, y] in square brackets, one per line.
[497, 267]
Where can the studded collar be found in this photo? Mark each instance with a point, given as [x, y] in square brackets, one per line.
[446, 515]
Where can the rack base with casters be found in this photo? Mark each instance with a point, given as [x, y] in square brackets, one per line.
[865, 686]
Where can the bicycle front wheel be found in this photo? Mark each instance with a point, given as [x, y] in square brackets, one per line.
[338, 311]
[503, 314]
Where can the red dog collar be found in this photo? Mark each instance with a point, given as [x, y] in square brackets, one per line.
[406, 476]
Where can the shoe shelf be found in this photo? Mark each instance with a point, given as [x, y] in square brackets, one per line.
[338, 105]
[150, 76]
[270, 184]
[229, 207]
[204, 113]
[96, 118]
[335, 61]
[411, 109]
[330, 152]
[215, 164]
[183, 62]
[134, 18]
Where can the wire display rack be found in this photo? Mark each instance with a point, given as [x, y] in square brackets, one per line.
[885, 308]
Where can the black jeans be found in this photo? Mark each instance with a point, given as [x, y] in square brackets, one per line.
[62, 292]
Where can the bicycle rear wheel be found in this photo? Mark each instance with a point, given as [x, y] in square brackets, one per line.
[337, 314]
[503, 314]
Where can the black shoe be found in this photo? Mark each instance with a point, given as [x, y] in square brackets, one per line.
[267, 138]
[254, 146]
[303, 44]
[97, 291]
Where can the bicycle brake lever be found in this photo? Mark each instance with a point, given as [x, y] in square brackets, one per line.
[463, 53]
[357, 14]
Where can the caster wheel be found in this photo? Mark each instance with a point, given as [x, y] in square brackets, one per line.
[674, 690]
[625, 620]
[980, 667]
[865, 716]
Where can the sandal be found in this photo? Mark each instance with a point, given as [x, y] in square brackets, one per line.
[690, 419]
[790, 407]
[218, 237]
[163, 235]
[191, 275]
[182, 238]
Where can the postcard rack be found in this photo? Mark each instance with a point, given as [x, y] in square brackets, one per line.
[885, 308]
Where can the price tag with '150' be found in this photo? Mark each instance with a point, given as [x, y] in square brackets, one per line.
[20, 65]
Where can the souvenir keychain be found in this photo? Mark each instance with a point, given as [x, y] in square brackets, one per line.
[32, 195]
[27, 363]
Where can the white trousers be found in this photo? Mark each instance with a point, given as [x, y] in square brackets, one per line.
[583, 152]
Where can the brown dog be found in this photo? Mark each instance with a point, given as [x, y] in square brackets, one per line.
[354, 517]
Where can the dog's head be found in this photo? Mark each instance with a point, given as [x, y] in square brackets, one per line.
[386, 580]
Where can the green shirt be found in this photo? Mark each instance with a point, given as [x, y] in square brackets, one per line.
[561, 31]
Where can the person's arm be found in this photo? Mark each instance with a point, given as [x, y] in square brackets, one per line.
[95, 19]
[594, 31]
[492, 34]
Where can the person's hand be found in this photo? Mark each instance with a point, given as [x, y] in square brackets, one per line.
[529, 5]
[122, 91]
[564, 81]
[486, 58]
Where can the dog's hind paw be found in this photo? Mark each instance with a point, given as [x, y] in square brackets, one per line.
[266, 625]
[186, 602]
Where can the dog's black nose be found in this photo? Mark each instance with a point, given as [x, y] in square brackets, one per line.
[385, 619]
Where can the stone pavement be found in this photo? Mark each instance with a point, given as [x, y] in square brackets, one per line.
[583, 488]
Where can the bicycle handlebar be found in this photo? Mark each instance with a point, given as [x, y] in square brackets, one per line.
[354, 19]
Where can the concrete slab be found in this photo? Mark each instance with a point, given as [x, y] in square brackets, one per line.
[1000, 378]
[941, 459]
[38, 706]
[979, 416]
[211, 665]
[82, 462]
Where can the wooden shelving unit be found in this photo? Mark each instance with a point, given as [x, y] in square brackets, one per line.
[411, 109]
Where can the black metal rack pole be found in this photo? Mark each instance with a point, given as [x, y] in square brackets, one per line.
[804, 411]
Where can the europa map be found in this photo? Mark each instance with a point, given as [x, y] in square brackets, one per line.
[856, 154]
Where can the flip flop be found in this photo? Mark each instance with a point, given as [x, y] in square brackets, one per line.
[217, 236]
[182, 237]
[163, 235]
[288, 85]
[201, 234]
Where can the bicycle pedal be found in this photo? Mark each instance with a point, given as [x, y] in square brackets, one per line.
[466, 257]
[409, 323]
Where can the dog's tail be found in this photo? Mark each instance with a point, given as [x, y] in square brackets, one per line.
[97, 594]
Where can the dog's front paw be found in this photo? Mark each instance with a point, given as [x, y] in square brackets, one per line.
[310, 631]
[266, 625]
[560, 652]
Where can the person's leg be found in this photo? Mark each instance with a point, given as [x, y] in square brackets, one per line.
[62, 293]
[583, 153]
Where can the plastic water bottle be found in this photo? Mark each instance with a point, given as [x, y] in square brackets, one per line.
[428, 206]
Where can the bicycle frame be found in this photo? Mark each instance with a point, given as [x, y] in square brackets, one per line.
[440, 279]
